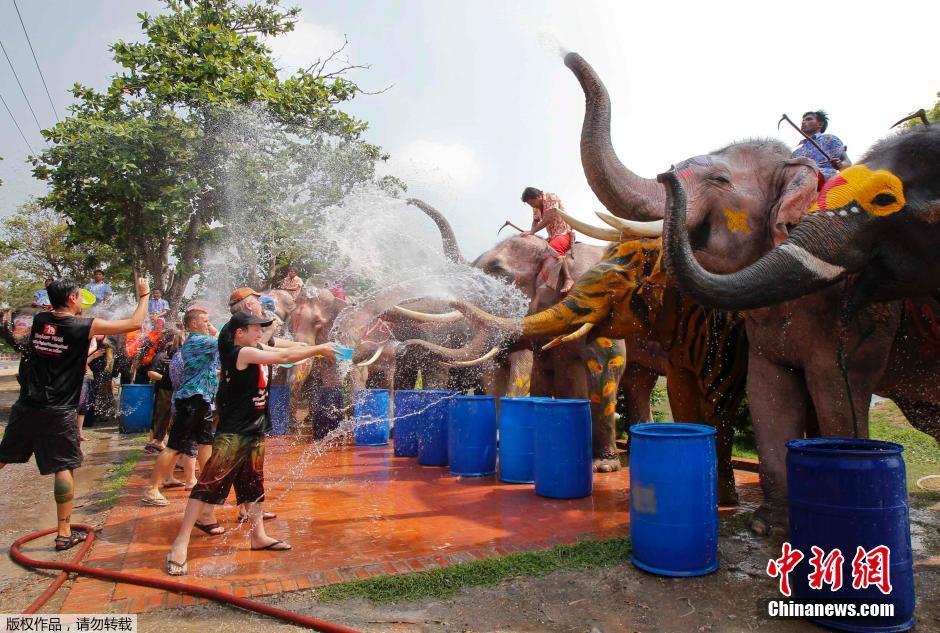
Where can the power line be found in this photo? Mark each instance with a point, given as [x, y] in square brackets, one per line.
[28, 104]
[36, 60]
[31, 151]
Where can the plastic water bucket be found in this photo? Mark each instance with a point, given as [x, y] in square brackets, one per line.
[279, 409]
[850, 494]
[471, 435]
[326, 410]
[431, 426]
[136, 408]
[411, 408]
[674, 498]
[562, 466]
[517, 440]
[371, 417]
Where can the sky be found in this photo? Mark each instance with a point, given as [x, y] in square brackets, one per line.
[476, 104]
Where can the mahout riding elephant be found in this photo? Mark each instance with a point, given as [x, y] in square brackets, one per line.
[826, 352]
[521, 368]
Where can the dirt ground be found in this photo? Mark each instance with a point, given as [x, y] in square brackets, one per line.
[614, 599]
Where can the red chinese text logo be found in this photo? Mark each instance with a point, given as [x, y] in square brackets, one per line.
[869, 568]
[781, 567]
[872, 568]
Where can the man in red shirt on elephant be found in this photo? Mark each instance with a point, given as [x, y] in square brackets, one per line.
[545, 208]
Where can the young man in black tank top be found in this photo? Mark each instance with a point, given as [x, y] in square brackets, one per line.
[52, 369]
[238, 447]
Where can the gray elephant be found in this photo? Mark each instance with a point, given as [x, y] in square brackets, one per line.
[819, 347]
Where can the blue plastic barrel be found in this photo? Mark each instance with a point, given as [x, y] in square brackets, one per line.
[279, 408]
[371, 417]
[850, 494]
[471, 436]
[136, 408]
[326, 411]
[411, 408]
[674, 498]
[562, 466]
[517, 440]
[431, 427]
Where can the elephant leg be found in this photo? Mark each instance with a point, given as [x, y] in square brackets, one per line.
[688, 404]
[519, 380]
[923, 416]
[778, 400]
[605, 365]
[637, 384]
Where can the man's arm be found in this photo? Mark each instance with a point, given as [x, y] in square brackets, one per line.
[252, 356]
[122, 326]
[536, 226]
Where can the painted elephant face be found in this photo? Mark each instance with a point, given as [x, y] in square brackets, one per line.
[516, 260]
[880, 219]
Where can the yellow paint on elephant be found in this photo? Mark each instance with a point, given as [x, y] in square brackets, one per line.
[737, 221]
[594, 366]
[617, 361]
[596, 398]
[610, 408]
[878, 192]
[604, 342]
[609, 388]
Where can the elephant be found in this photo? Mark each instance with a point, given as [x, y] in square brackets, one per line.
[627, 296]
[806, 289]
[518, 370]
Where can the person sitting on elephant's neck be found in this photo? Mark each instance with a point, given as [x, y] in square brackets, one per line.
[814, 125]
[545, 208]
[292, 284]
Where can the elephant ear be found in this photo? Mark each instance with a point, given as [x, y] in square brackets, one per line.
[801, 183]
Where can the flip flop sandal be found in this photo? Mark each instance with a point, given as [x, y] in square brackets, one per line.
[174, 484]
[209, 527]
[152, 449]
[157, 502]
[273, 547]
[268, 516]
[189, 486]
[63, 543]
[176, 569]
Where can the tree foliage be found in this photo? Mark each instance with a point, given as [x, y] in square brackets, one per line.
[148, 164]
[37, 243]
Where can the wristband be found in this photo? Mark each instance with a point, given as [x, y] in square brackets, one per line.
[143, 295]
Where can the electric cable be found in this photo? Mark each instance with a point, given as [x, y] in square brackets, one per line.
[17, 77]
[18, 128]
[41, 76]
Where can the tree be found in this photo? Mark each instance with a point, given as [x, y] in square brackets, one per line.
[36, 243]
[145, 165]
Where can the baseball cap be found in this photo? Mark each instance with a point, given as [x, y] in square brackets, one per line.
[244, 319]
[240, 294]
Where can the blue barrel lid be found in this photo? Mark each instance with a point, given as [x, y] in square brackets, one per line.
[845, 446]
[672, 429]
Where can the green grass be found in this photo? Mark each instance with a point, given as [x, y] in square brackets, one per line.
[438, 583]
[921, 454]
[113, 486]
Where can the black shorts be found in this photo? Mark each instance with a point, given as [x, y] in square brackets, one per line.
[192, 425]
[52, 434]
[236, 460]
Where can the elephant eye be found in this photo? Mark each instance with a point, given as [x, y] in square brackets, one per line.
[720, 179]
[884, 199]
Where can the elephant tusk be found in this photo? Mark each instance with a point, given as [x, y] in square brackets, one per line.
[447, 317]
[558, 340]
[590, 230]
[374, 358]
[632, 228]
[473, 363]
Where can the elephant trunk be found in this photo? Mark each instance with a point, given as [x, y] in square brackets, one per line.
[559, 320]
[448, 238]
[624, 193]
[795, 268]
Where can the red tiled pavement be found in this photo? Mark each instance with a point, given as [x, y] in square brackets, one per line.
[350, 512]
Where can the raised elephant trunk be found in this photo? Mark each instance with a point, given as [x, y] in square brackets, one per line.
[800, 265]
[448, 238]
[624, 193]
